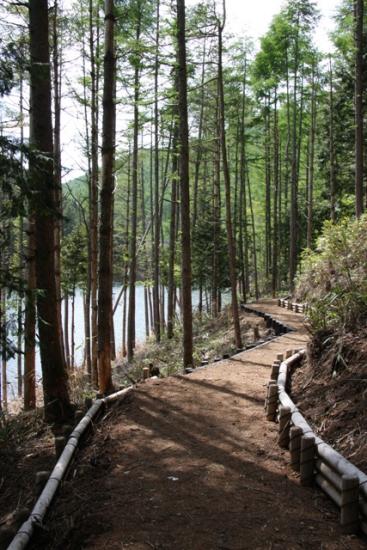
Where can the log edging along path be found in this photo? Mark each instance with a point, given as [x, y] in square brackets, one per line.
[42, 505]
[316, 461]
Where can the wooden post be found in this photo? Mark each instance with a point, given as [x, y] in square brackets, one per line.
[275, 370]
[349, 517]
[288, 353]
[289, 305]
[307, 461]
[272, 402]
[295, 447]
[279, 302]
[146, 372]
[280, 357]
[285, 416]
[270, 383]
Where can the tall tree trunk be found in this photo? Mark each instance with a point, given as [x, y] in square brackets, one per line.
[253, 228]
[93, 192]
[331, 148]
[126, 268]
[227, 186]
[267, 192]
[20, 250]
[56, 62]
[311, 163]
[216, 214]
[105, 275]
[184, 185]
[243, 236]
[4, 378]
[172, 237]
[72, 360]
[30, 321]
[54, 374]
[293, 233]
[144, 228]
[87, 302]
[285, 240]
[157, 323]
[274, 284]
[134, 204]
[358, 99]
[66, 330]
[199, 151]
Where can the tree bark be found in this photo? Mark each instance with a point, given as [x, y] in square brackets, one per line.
[54, 375]
[156, 274]
[358, 99]
[4, 379]
[243, 234]
[56, 62]
[227, 186]
[293, 233]
[134, 203]
[87, 302]
[30, 321]
[331, 148]
[311, 163]
[275, 204]
[93, 194]
[105, 274]
[267, 192]
[184, 186]
[172, 237]
[216, 213]
[199, 151]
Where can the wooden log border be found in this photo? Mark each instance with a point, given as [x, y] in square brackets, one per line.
[317, 461]
[36, 517]
[292, 306]
[278, 327]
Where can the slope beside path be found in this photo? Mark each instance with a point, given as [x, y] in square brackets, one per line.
[189, 462]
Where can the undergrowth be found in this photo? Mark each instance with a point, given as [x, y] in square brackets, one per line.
[211, 338]
[333, 278]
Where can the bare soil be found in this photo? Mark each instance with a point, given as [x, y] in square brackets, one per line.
[189, 462]
[26, 447]
[331, 390]
[27, 444]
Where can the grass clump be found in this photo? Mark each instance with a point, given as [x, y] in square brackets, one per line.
[333, 278]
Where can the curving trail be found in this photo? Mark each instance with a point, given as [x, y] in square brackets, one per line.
[190, 462]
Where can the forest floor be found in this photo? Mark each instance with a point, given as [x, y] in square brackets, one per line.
[189, 462]
[27, 444]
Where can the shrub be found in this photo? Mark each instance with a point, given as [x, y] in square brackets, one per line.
[333, 278]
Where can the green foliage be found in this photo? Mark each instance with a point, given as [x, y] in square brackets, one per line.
[203, 250]
[74, 260]
[333, 279]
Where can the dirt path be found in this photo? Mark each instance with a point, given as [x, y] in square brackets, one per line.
[190, 462]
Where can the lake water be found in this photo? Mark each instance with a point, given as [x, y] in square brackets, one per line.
[79, 331]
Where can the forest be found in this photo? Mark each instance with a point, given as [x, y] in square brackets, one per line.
[206, 164]
[182, 237]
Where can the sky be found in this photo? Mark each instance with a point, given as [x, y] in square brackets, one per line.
[253, 17]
